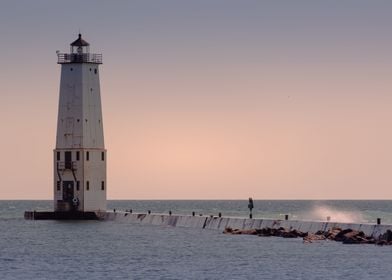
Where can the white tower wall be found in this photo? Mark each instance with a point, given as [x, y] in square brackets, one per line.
[80, 155]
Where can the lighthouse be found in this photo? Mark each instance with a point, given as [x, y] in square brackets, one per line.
[79, 183]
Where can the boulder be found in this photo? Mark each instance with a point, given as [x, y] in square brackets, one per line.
[387, 236]
[264, 232]
[313, 237]
[293, 234]
[275, 232]
[381, 242]
[331, 234]
[300, 233]
[354, 233]
[289, 234]
[341, 235]
[346, 236]
[236, 231]
[370, 240]
[228, 230]
[249, 231]
[352, 240]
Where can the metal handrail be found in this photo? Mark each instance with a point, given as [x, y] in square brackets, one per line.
[79, 58]
[61, 165]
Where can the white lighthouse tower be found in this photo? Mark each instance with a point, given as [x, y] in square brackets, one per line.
[80, 155]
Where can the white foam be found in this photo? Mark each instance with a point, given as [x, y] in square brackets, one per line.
[321, 213]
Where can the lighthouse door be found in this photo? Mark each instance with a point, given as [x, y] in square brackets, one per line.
[68, 190]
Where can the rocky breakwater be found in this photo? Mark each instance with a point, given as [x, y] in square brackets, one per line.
[346, 236]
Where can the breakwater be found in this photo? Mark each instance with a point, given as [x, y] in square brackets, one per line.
[221, 223]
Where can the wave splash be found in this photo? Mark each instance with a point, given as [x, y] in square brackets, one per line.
[325, 213]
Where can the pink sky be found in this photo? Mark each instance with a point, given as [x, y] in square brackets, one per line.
[210, 102]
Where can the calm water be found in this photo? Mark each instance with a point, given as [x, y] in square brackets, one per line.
[115, 250]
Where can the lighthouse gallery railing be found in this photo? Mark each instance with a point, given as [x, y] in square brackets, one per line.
[79, 58]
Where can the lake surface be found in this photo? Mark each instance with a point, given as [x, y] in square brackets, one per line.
[116, 250]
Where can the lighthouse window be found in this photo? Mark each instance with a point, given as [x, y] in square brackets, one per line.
[87, 155]
[90, 69]
[68, 159]
[58, 156]
[77, 185]
[103, 155]
[87, 185]
[103, 185]
[71, 69]
[77, 156]
[95, 71]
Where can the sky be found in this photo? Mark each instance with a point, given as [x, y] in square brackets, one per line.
[208, 99]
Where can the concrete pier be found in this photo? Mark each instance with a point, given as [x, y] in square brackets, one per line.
[220, 223]
[208, 222]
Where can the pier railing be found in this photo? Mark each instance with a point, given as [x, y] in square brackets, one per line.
[79, 58]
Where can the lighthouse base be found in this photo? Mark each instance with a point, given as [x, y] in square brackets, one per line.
[57, 215]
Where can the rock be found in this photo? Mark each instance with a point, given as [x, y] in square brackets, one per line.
[293, 234]
[249, 231]
[381, 242]
[346, 236]
[341, 235]
[313, 237]
[355, 233]
[370, 240]
[387, 236]
[275, 232]
[302, 234]
[289, 234]
[351, 240]
[264, 232]
[258, 231]
[356, 239]
[331, 234]
[228, 230]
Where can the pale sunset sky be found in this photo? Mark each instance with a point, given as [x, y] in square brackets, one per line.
[208, 99]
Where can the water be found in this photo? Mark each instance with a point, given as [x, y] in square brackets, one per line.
[115, 250]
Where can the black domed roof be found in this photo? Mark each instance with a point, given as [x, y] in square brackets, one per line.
[80, 42]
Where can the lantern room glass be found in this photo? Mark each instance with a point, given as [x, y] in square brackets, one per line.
[80, 49]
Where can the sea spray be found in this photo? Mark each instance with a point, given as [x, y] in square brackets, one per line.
[328, 213]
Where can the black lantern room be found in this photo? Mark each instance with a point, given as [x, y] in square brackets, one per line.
[80, 46]
[79, 53]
